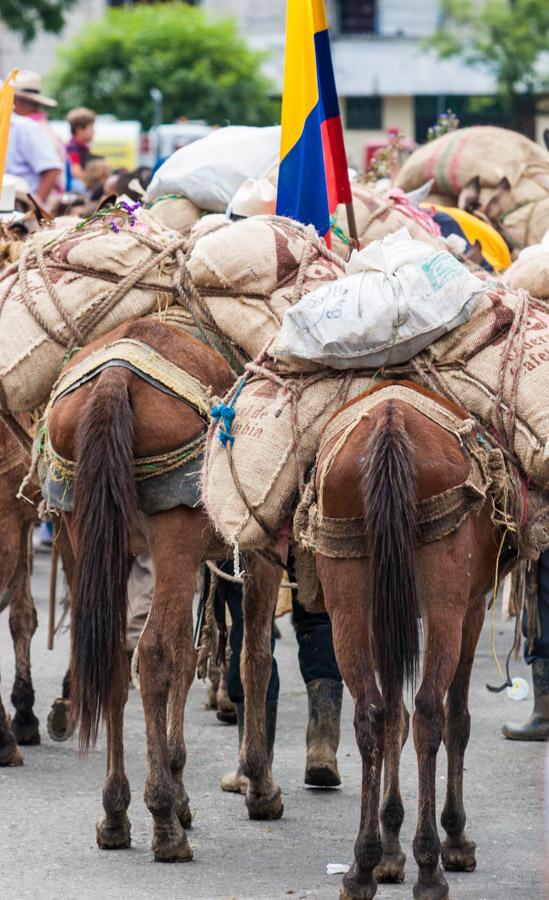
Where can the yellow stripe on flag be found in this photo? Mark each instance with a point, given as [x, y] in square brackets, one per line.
[300, 82]
[6, 108]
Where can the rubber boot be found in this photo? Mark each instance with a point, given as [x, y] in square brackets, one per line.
[536, 728]
[325, 696]
[236, 782]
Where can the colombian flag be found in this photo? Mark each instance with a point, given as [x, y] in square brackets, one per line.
[6, 107]
[313, 175]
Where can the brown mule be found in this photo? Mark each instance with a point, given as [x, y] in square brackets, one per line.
[103, 424]
[395, 457]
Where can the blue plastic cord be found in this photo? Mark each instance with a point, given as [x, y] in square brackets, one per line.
[226, 413]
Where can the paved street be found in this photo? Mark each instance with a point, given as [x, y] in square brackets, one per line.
[49, 807]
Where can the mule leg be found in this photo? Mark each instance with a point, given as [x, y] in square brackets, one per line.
[442, 649]
[391, 867]
[10, 754]
[263, 797]
[113, 832]
[343, 583]
[23, 624]
[167, 660]
[458, 852]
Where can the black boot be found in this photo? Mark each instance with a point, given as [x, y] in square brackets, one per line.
[325, 696]
[536, 728]
[236, 782]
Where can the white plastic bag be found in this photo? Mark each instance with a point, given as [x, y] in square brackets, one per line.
[211, 170]
[397, 298]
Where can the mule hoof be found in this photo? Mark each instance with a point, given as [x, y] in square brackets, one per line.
[460, 857]
[391, 868]
[25, 729]
[10, 755]
[431, 886]
[113, 837]
[171, 850]
[58, 725]
[265, 808]
[358, 886]
[323, 776]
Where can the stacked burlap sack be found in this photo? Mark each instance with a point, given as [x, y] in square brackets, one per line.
[175, 212]
[531, 270]
[72, 285]
[490, 154]
[235, 280]
[377, 216]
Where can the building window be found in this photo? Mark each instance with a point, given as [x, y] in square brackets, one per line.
[358, 16]
[363, 113]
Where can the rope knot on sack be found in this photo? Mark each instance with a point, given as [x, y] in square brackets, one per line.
[226, 413]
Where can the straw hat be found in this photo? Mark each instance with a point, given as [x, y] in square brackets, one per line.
[255, 197]
[28, 85]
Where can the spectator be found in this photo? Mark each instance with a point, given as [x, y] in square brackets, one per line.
[30, 102]
[81, 121]
[31, 157]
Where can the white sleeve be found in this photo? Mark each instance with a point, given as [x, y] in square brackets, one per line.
[38, 149]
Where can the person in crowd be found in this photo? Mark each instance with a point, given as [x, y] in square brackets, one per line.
[96, 173]
[81, 122]
[32, 158]
[30, 102]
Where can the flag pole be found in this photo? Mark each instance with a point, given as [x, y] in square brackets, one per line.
[351, 221]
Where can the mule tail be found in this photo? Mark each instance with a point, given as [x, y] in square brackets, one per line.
[389, 485]
[105, 507]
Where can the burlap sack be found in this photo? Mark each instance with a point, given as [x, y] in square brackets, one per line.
[275, 442]
[375, 218]
[244, 276]
[72, 289]
[531, 274]
[469, 362]
[175, 212]
[526, 224]
[485, 151]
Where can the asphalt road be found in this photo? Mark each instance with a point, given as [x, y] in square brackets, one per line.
[48, 808]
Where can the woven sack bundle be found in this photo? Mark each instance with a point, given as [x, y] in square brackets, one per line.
[241, 277]
[530, 272]
[485, 151]
[275, 441]
[497, 367]
[175, 212]
[72, 288]
[376, 217]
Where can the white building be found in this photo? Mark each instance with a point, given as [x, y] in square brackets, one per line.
[385, 77]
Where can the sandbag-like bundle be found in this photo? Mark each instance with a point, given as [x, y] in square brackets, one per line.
[241, 277]
[398, 296]
[175, 212]
[72, 285]
[483, 151]
[497, 367]
[376, 216]
[276, 428]
[530, 272]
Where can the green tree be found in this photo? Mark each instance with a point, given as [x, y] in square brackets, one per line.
[202, 66]
[28, 17]
[509, 37]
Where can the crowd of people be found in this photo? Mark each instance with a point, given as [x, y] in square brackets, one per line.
[65, 178]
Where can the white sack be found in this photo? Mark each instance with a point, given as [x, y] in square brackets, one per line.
[210, 171]
[397, 298]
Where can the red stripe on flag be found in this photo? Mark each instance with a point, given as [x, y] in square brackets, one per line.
[335, 162]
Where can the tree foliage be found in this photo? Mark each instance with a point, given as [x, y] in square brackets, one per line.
[203, 67]
[510, 37]
[29, 17]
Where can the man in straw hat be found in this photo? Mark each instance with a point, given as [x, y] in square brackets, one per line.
[34, 152]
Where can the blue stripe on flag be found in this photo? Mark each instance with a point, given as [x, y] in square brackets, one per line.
[329, 105]
[302, 192]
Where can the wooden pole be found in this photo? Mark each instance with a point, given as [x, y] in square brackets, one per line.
[351, 221]
[53, 591]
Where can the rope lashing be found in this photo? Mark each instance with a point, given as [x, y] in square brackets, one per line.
[226, 413]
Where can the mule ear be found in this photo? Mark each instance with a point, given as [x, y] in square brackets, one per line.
[41, 214]
[106, 200]
[546, 137]
[495, 205]
[469, 197]
[474, 253]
